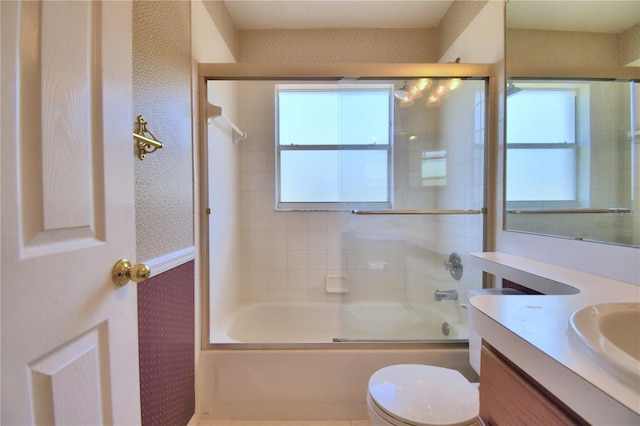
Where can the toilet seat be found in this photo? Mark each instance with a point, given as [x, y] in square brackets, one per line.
[423, 395]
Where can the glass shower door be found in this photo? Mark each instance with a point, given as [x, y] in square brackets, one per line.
[405, 269]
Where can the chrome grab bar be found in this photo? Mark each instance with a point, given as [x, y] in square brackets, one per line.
[416, 211]
[566, 211]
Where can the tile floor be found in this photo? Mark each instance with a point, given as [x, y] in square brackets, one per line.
[284, 423]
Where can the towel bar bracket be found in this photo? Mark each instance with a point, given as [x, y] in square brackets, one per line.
[145, 144]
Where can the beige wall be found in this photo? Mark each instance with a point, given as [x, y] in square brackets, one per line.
[162, 94]
[569, 47]
[573, 47]
[351, 45]
[629, 45]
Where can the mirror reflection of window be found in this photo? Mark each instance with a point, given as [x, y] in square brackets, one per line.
[541, 139]
[434, 168]
[594, 45]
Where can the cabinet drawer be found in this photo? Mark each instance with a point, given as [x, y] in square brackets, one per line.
[508, 396]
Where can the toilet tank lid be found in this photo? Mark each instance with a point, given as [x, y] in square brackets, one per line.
[425, 395]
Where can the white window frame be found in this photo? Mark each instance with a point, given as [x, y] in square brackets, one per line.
[388, 148]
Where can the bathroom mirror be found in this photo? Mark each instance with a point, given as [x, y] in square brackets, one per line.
[572, 117]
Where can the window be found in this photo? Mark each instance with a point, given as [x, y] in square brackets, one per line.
[542, 144]
[333, 145]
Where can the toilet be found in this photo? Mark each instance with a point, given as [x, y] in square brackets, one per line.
[425, 395]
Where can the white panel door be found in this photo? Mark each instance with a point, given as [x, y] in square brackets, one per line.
[69, 336]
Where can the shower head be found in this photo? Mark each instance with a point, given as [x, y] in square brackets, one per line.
[402, 93]
[512, 89]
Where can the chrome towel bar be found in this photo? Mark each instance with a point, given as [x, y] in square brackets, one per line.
[567, 211]
[416, 212]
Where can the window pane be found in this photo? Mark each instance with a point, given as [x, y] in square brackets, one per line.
[332, 117]
[364, 117]
[541, 116]
[308, 176]
[333, 176]
[308, 118]
[541, 175]
[363, 176]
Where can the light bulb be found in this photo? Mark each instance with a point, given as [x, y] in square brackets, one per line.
[424, 83]
[454, 83]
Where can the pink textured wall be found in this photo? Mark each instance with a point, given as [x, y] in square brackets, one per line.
[165, 330]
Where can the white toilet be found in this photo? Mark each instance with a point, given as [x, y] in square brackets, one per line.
[424, 395]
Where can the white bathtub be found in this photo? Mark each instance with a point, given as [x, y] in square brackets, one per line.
[305, 376]
[325, 323]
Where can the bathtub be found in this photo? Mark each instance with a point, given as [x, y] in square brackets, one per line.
[325, 323]
[280, 362]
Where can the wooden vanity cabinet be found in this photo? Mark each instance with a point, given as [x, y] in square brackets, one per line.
[508, 396]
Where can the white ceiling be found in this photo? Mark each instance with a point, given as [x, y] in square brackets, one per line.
[570, 15]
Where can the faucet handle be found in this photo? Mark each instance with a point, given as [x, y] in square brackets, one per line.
[454, 265]
[454, 261]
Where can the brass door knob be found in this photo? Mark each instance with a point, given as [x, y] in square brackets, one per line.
[122, 272]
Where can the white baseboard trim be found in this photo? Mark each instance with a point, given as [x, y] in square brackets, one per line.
[169, 261]
[194, 421]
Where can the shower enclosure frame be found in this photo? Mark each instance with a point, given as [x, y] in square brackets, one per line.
[337, 71]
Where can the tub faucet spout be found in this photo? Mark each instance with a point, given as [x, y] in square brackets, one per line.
[445, 294]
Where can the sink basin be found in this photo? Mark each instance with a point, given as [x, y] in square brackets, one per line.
[609, 335]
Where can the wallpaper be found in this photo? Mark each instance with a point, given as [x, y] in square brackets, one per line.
[339, 45]
[629, 45]
[165, 329]
[162, 94]
[569, 47]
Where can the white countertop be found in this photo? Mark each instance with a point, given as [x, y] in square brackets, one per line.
[532, 332]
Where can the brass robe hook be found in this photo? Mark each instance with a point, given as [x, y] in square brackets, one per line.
[145, 144]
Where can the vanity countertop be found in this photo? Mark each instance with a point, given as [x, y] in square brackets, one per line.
[531, 330]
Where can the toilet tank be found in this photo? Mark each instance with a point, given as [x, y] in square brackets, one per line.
[475, 340]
